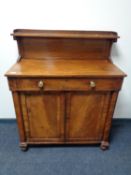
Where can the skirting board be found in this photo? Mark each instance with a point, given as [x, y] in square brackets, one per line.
[115, 120]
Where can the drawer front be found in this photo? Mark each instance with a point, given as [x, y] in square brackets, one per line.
[57, 84]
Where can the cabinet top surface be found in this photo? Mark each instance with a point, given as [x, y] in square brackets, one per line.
[64, 68]
[65, 34]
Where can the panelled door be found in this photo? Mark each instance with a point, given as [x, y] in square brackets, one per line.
[43, 114]
[86, 114]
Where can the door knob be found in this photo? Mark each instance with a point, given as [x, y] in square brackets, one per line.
[41, 84]
[92, 84]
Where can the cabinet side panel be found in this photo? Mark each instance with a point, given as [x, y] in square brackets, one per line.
[109, 116]
[18, 110]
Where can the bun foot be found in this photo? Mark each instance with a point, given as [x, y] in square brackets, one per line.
[23, 146]
[104, 145]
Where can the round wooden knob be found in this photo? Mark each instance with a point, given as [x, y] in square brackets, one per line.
[40, 84]
[92, 84]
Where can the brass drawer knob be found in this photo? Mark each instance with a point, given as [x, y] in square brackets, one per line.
[92, 84]
[40, 84]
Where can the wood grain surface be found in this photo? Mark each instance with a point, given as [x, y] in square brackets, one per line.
[72, 68]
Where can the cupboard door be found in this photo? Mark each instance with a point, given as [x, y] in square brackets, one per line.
[86, 114]
[44, 116]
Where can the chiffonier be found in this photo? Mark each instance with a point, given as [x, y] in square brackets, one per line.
[64, 86]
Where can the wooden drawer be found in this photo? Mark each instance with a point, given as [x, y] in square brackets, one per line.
[57, 84]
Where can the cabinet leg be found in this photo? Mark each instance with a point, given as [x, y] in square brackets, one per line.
[104, 145]
[23, 146]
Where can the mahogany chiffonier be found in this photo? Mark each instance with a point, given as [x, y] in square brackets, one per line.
[64, 86]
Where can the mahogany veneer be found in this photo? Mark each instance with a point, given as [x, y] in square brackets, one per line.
[64, 86]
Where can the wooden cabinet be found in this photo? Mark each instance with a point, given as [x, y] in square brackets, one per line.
[64, 86]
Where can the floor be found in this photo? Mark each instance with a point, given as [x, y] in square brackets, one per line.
[71, 160]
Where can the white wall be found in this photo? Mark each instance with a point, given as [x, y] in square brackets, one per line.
[66, 14]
